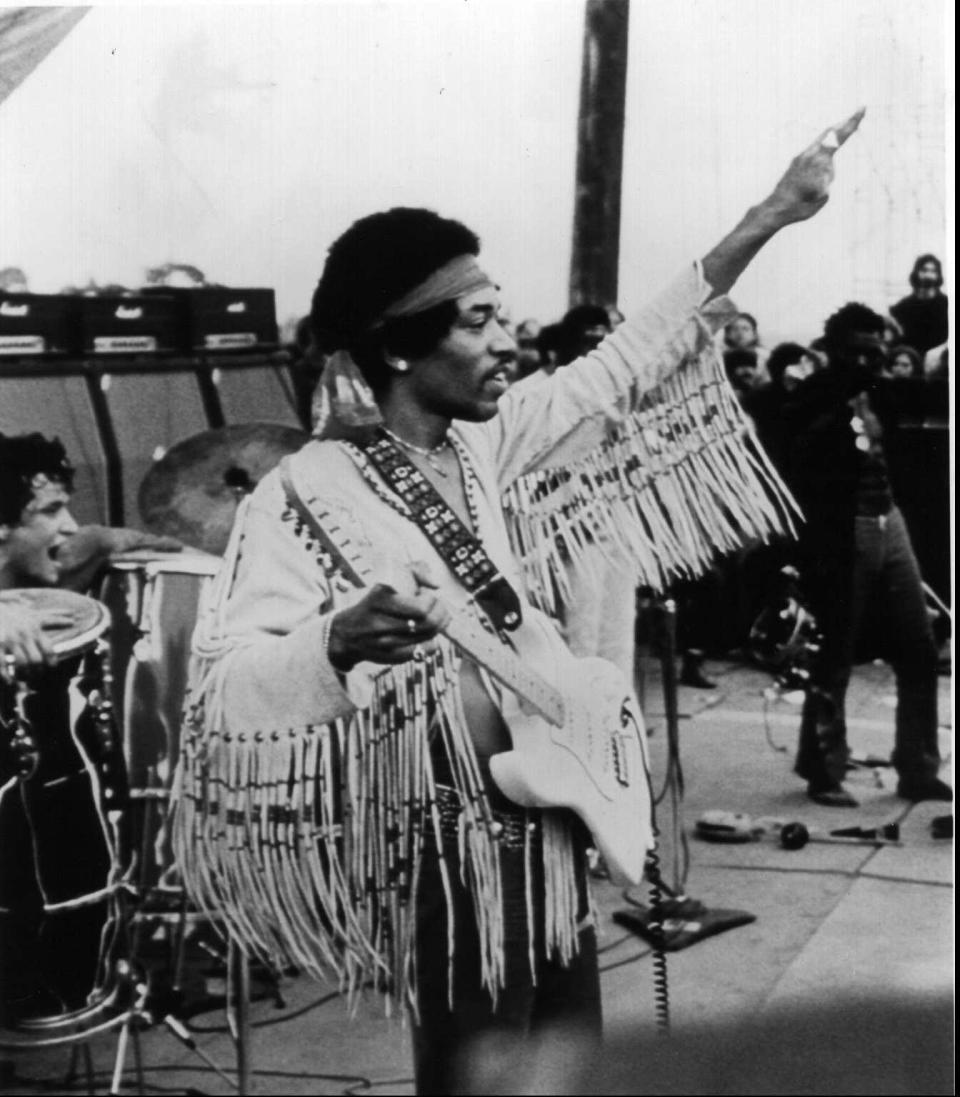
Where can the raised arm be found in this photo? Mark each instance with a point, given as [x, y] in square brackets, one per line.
[803, 190]
[567, 417]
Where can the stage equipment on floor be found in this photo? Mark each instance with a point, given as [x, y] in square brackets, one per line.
[737, 827]
[784, 638]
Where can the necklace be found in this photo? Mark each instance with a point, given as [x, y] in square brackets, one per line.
[429, 455]
[470, 486]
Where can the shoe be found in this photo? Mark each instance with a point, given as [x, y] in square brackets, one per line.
[831, 796]
[930, 789]
[697, 679]
[691, 674]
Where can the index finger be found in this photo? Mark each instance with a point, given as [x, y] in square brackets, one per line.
[834, 136]
[405, 607]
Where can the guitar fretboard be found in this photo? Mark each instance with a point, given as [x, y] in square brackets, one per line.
[506, 666]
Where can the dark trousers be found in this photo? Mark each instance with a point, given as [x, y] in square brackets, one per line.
[884, 585]
[475, 1047]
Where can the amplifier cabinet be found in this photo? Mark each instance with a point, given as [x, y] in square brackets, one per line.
[39, 323]
[212, 318]
[128, 324]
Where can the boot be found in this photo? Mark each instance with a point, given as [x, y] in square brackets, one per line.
[691, 671]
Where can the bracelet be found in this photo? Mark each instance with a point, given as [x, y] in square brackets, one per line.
[325, 637]
[325, 645]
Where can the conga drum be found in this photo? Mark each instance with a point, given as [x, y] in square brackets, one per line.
[153, 599]
[58, 866]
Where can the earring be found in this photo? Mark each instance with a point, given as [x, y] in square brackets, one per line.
[401, 366]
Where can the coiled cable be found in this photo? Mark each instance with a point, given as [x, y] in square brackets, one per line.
[661, 987]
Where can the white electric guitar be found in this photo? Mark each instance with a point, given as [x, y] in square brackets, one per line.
[583, 745]
[580, 745]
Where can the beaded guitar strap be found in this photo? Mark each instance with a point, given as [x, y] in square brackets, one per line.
[459, 549]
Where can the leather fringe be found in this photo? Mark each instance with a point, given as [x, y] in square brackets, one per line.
[305, 844]
[681, 482]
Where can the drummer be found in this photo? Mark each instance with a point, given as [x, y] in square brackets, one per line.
[53, 842]
[41, 544]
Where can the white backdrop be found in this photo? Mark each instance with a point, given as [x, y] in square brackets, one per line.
[244, 138]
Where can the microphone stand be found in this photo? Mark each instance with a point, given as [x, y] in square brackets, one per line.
[680, 921]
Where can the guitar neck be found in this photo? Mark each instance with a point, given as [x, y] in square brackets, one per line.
[506, 666]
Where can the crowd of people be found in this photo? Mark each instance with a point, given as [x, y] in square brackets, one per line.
[914, 341]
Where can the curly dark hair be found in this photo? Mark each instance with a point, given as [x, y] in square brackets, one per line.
[549, 341]
[374, 263]
[740, 356]
[585, 316]
[22, 457]
[853, 316]
[902, 350]
[919, 262]
[783, 355]
[751, 320]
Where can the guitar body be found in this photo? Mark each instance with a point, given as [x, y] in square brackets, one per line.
[595, 764]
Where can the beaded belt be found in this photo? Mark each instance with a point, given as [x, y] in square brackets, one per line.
[510, 828]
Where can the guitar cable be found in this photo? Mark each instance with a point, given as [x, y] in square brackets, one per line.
[661, 987]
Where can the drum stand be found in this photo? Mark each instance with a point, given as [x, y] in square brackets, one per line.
[148, 1010]
[152, 1006]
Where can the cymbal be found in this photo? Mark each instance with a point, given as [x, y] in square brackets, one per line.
[193, 491]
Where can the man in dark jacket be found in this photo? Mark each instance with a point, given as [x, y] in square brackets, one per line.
[858, 561]
[922, 315]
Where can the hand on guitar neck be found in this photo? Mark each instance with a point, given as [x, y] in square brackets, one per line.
[389, 622]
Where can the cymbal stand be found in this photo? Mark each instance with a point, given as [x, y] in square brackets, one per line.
[151, 1005]
[145, 1013]
[674, 783]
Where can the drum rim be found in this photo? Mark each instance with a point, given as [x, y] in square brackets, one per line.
[63, 649]
[192, 562]
[70, 1027]
[41, 598]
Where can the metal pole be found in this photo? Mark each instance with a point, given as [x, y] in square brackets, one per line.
[668, 665]
[241, 1005]
[596, 215]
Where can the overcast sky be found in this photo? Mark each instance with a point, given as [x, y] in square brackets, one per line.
[243, 139]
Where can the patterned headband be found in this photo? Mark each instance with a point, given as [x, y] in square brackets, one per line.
[461, 275]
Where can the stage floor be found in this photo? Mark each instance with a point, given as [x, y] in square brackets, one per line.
[842, 984]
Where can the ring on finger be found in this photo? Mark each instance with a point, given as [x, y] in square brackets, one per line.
[411, 625]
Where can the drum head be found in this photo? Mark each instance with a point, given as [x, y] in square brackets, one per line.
[88, 619]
